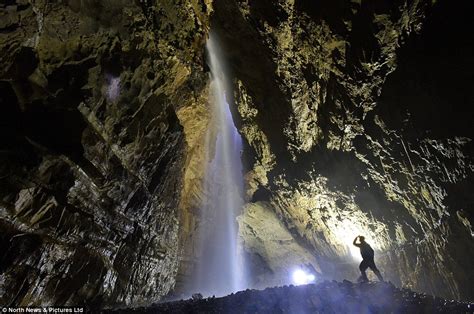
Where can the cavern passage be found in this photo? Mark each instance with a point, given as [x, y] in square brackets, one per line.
[356, 117]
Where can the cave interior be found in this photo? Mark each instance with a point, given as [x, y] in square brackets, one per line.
[355, 118]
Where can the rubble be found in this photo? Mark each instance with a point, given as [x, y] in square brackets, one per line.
[324, 297]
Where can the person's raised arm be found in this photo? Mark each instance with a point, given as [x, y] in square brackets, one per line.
[355, 241]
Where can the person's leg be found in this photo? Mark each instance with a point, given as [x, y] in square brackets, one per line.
[376, 270]
[363, 267]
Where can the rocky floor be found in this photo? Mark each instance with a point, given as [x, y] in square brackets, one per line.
[325, 297]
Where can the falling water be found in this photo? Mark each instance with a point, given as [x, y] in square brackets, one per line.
[219, 270]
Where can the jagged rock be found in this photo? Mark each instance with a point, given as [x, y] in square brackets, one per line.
[338, 147]
[325, 297]
[353, 119]
[268, 239]
[93, 147]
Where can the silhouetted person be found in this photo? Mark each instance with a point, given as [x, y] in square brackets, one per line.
[367, 258]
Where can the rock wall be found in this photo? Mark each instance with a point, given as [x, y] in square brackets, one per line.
[92, 94]
[354, 117]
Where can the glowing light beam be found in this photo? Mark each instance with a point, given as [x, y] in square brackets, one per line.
[300, 277]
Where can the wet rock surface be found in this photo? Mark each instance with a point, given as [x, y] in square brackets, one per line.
[351, 129]
[356, 116]
[93, 148]
[325, 297]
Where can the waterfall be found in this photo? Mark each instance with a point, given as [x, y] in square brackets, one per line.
[220, 264]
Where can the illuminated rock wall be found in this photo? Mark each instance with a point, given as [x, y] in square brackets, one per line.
[351, 130]
[354, 120]
[95, 100]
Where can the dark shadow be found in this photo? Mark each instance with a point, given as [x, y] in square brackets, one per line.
[432, 85]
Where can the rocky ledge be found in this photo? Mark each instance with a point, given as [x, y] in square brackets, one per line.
[325, 297]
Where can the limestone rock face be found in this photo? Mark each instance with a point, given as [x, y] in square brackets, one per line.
[348, 112]
[94, 138]
[354, 120]
[269, 242]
